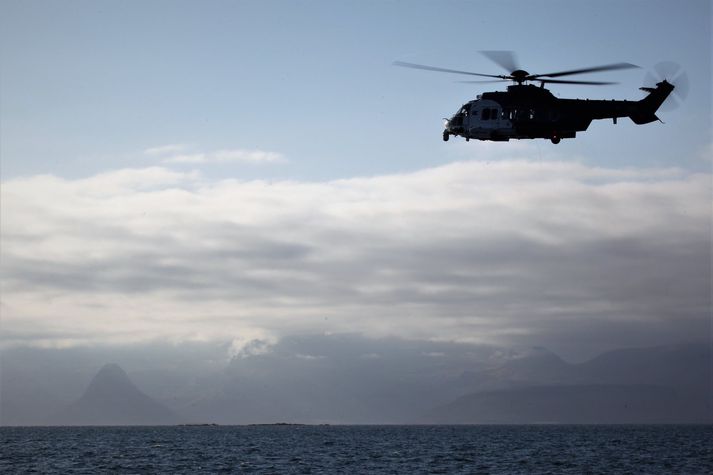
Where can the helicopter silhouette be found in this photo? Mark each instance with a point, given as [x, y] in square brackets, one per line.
[527, 111]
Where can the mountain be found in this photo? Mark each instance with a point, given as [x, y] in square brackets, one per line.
[536, 366]
[669, 384]
[112, 399]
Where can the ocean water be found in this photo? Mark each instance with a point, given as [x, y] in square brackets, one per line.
[359, 449]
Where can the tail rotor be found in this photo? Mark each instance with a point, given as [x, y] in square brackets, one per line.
[674, 74]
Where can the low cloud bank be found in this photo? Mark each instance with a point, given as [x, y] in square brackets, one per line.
[506, 252]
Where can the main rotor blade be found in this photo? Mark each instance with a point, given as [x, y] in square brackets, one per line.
[490, 81]
[559, 81]
[504, 59]
[606, 67]
[441, 70]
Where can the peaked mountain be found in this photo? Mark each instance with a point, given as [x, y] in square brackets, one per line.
[112, 399]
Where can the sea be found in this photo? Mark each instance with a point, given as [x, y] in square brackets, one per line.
[511, 449]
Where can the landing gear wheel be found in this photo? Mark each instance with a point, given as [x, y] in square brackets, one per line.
[446, 135]
[555, 140]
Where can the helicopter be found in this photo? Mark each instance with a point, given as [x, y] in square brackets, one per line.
[528, 111]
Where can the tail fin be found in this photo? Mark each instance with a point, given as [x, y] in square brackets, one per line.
[646, 108]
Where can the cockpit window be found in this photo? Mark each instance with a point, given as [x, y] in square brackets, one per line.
[486, 114]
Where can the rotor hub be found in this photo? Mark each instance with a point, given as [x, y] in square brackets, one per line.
[519, 76]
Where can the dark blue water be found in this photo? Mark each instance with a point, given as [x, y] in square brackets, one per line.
[359, 449]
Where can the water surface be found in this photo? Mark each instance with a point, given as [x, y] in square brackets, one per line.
[359, 449]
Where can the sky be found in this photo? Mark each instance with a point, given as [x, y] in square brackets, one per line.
[247, 170]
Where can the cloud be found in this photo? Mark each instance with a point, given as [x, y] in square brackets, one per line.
[558, 253]
[165, 149]
[179, 153]
[245, 346]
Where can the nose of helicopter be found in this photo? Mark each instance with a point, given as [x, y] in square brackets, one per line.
[446, 129]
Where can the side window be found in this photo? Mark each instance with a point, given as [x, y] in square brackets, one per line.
[486, 114]
[494, 114]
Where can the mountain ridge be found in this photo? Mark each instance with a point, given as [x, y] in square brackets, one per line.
[665, 384]
[355, 380]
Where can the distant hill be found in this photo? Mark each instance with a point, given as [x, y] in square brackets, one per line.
[685, 365]
[580, 404]
[112, 399]
[650, 385]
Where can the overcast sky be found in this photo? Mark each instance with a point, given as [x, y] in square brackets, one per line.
[246, 170]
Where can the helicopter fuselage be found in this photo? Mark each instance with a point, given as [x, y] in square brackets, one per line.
[530, 112]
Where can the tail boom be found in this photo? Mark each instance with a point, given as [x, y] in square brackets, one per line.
[645, 111]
